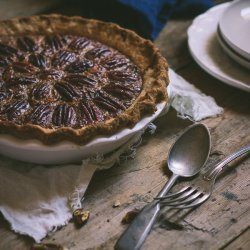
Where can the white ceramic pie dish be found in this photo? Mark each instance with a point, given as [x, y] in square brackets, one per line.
[66, 152]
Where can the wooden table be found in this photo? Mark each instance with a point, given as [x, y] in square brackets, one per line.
[220, 223]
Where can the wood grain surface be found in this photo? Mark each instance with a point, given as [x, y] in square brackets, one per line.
[220, 223]
[13, 8]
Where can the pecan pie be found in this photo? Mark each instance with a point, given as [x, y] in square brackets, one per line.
[69, 78]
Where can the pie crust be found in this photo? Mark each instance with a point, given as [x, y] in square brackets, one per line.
[152, 68]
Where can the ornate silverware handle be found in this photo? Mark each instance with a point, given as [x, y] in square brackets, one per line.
[216, 170]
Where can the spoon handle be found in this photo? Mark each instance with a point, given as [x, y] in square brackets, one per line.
[136, 233]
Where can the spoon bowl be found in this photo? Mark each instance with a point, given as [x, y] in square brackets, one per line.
[190, 151]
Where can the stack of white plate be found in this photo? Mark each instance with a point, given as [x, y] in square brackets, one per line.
[234, 32]
[219, 41]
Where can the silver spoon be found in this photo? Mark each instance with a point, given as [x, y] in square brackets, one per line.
[186, 158]
[200, 189]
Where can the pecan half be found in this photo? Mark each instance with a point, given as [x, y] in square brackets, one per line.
[90, 112]
[3, 95]
[80, 80]
[67, 91]
[79, 43]
[64, 115]
[22, 80]
[27, 44]
[7, 50]
[50, 74]
[63, 57]
[41, 114]
[79, 66]
[122, 76]
[80, 217]
[121, 90]
[108, 102]
[55, 42]
[116, 63]
[97, 53]
[41, 91]
[38, 60]
[22, 67]
[3, 62]
[16, 108]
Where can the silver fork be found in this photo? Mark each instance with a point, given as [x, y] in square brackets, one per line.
[200, 189]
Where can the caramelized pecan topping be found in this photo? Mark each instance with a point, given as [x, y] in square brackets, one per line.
[120, 90]
[41, 115]
[40, 91]
[51, 74]
[97, 53]
[116, 63]
[16, 108]
[64, 81]
[81, 80]
[67, 91]
[26, 44]
[122, 76]
[38, 60]
[64, 115]
[3, 95]
[3, 62]
[79, 66]
[108, 102]
[22, 80]
[90, 112]
[79, 43]
[55, 42]
[6, 50]
[63, 57]
[22, 67]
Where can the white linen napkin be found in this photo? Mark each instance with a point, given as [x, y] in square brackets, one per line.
[35, 200]
[190, 102]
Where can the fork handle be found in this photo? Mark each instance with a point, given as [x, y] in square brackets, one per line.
[216, 170]
[137, 231]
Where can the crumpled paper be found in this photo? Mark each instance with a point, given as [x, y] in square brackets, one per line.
[36, 200]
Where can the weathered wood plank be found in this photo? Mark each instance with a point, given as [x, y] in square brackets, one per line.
[221, 222]
[13, 8]
[241, 242]
[10, 240]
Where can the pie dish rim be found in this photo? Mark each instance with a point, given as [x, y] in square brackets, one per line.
[34, 151]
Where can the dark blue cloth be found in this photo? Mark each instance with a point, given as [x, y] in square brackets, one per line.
[157, 12]
[146, 17]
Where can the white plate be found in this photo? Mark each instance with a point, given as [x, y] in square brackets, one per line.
[232, 53]
[234, 26]
[206, 51]
[66, 152]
